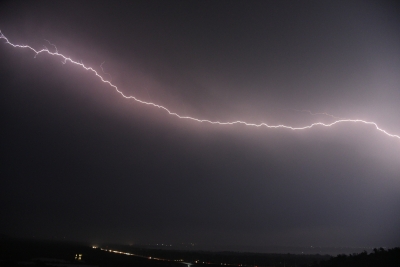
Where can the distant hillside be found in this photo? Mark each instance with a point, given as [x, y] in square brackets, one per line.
[377, 258]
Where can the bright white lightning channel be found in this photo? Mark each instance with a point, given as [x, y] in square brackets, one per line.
[67, 59]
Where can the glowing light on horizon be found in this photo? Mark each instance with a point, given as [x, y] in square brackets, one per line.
[68, 59]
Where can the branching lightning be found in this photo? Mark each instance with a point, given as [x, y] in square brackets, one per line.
[109, 75]
[318, 113]
[66, 59]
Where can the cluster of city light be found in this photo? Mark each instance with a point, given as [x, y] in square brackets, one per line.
[66, 59]
[136, 255]
[175, 260]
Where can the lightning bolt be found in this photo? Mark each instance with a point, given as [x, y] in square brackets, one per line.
[66, 59]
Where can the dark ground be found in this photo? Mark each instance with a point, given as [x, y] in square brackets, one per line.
[24, 252]
[15, 251]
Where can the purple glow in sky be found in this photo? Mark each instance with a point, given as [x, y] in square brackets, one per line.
[85, 163]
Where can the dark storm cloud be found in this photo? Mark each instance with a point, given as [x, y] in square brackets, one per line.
[81, 162]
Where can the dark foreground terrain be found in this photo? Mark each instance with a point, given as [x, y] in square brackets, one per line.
[22, 252]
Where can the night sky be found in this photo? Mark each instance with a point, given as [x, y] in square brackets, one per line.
[80, 162]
